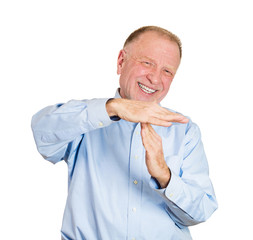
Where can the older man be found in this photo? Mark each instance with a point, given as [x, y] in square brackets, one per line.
[136, 170]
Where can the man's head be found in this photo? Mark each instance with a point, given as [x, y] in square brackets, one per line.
[148, 63]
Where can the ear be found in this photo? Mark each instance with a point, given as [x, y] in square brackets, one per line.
[121, 59]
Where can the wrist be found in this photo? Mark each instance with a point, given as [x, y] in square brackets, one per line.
[111, 105]
[164, 179]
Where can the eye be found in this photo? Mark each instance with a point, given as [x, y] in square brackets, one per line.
[146, 63]
[167, 72]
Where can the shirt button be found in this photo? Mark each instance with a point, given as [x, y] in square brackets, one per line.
[135, 182]
[133, 238]
[100, 124]
[136, 157]
[171, 195]
[134, 209]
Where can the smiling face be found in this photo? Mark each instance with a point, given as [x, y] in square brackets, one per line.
[147, 67]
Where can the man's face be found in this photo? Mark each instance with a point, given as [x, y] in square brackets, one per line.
[147, 67]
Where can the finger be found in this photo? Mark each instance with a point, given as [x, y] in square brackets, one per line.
[144, 131]
[144, 127]
[176, 117]
[151, 140]
[173, 117]
[153, 133]
[162, 117]
[158, 121]
[165, 114]
[145, 134]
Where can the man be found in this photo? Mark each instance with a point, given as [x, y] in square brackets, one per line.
[136, 170]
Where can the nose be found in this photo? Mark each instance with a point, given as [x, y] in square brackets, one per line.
[154, 77]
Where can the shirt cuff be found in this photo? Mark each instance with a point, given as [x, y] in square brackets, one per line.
[174, 187]
[172, 191]
[153, 183]
[115, 118]
[97, 114]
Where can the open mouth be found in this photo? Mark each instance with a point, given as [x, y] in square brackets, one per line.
[146, 89]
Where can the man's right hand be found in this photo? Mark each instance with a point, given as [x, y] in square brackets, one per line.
[144, 112]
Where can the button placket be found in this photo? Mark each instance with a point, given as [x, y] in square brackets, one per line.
[135, 182]
[135, 174]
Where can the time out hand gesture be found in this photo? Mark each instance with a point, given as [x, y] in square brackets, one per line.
[148, 113]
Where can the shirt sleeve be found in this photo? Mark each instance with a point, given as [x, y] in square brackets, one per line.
[55, 127]
[189, 196]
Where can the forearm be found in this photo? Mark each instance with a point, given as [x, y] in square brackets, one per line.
[54, 127]
[164, 178]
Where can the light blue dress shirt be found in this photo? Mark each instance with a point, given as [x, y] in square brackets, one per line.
[111, 195]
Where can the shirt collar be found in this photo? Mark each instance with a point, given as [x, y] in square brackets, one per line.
[117, 95]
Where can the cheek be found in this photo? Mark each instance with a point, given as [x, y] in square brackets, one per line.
[134, 71]
[141, 71]
[129, 78]
[166, 84]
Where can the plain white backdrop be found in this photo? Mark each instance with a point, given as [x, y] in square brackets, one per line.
[53, 51]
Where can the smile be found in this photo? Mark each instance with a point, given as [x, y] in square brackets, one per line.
[146, 89]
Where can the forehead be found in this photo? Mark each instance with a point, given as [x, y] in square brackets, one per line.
[154, 45]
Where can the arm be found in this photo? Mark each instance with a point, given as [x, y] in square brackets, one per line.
[189, 196]
[56, 127]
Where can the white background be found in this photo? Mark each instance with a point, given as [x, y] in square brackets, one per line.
[53, 51]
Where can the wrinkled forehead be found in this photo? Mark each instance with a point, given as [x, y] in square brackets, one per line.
[152, 41]
[155, 46]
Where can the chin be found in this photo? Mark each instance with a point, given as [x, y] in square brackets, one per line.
[146, 99]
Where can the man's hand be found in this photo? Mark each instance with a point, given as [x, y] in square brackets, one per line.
[144, 112]
[155, 161]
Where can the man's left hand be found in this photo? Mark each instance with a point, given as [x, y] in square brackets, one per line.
[155, 161]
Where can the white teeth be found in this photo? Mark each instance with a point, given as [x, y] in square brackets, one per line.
[146, 89]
